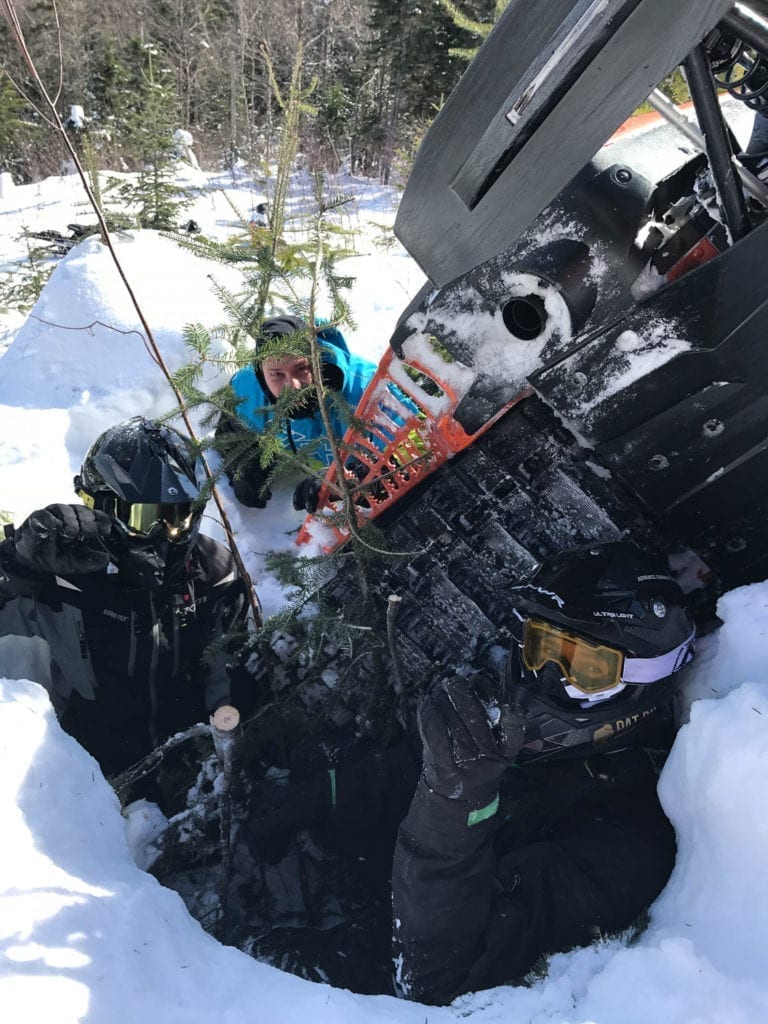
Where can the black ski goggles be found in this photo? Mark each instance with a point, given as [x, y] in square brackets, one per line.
[595, 668]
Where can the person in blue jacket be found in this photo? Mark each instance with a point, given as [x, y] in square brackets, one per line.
[257, 389]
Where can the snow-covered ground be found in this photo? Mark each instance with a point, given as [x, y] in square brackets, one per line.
[86, 935]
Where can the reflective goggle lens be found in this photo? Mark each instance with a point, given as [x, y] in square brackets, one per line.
[142, 517]
[589, 667]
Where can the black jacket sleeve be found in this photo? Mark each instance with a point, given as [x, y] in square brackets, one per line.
[239, 449]
[575, 848]
[223, 627]
[442, 888]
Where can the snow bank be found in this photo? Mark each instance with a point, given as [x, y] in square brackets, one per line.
[86, 936]
[83, 347]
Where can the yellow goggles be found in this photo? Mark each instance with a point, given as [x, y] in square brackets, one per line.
[142, 517]
[589, 667]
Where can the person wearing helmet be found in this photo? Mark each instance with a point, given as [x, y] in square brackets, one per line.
[494, 868]
[266, 389]
[134, 604]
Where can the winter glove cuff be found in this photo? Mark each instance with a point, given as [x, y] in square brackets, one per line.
[451, 821]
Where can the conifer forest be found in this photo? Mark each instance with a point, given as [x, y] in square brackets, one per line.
[377, 71]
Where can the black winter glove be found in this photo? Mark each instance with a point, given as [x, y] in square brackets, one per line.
[469, 738]
[353, 466]
[306, 494]
[238, 447]
[249, 486]
[280, 810]
[64, 540]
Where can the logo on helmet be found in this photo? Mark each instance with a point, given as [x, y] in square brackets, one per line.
[610, 729]
[604, 733]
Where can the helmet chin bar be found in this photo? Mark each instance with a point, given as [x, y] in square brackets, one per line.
[154, 561]
[156, 567]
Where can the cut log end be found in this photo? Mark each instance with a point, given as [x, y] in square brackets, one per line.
[225, 719]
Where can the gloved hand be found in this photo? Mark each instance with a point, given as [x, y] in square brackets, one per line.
[355, 469]
[279, 810]
[250, 490]
[469, 738]
[64, 539]
[239, 448]
[249, 482]
[306, 494]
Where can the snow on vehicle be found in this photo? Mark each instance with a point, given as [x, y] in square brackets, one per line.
[586, 360]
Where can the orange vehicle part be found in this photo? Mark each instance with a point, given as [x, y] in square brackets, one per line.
[410, 434]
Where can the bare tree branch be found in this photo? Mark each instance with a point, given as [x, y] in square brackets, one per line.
[96, 323]
[60, 86]
[27, 99]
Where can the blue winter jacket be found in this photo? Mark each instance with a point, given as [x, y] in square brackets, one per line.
[351, 378]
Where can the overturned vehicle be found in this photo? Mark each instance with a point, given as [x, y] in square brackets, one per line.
[585, 358]
[583, 364]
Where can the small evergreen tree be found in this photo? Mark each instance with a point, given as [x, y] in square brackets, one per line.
[20, 287]
[286, 266]
[148, 130]
[19, 133]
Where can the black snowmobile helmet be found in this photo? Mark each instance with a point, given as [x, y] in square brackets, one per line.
[599, 634]
[147, 477]
[284, 327]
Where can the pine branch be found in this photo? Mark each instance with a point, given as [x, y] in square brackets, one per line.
[462, 20]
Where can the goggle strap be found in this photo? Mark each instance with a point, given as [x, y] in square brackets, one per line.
[641, 671]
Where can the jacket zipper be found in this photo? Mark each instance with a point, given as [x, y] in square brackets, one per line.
[132, 645]
[289, 432]
[82, 640]
[153, 704]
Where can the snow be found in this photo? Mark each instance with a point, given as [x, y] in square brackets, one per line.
[86, 935]
[6, 184]
[484, 337]
[79, 363]
[77, 118]
[641, 354]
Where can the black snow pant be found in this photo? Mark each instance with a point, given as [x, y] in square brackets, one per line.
[577, 850]
[324, 912]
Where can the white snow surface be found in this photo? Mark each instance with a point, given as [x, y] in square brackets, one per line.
[85, 934]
